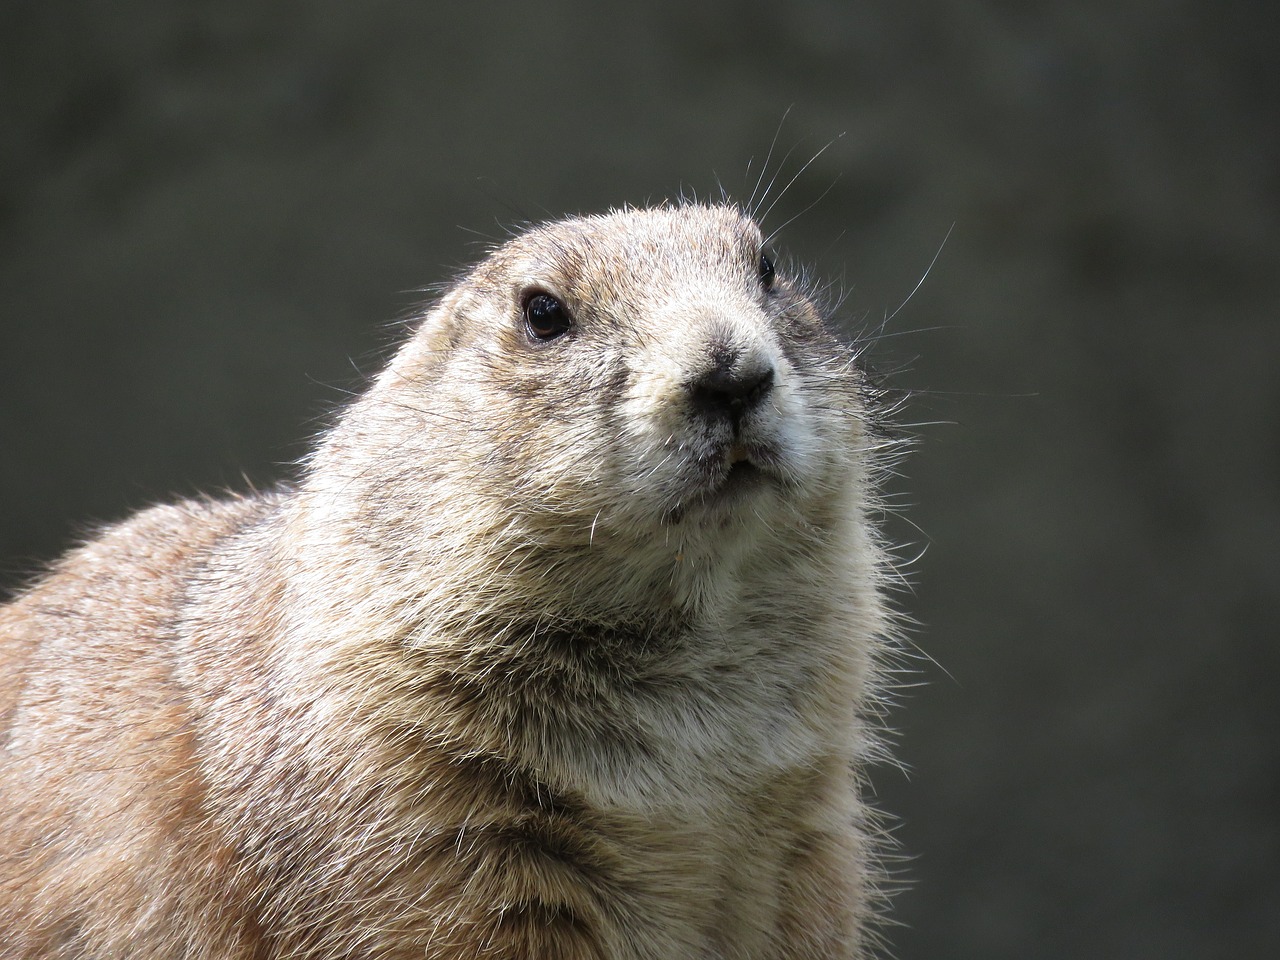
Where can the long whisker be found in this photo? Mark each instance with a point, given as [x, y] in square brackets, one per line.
[783, 192]
[922, 279]
[768, 156]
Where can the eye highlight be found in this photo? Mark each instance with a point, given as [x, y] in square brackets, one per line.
[545, 317]
[766, 271]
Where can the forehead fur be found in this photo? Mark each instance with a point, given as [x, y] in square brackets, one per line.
[627, 245]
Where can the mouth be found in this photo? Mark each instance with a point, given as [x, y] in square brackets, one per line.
[727, 478]
[738, 469]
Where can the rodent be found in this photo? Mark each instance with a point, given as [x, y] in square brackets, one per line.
[563, 643]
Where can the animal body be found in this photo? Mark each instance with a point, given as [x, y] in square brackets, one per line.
[563, 644]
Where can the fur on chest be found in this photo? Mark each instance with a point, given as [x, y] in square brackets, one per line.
[691, 721]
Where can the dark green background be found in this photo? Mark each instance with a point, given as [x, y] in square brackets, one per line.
[210, 213]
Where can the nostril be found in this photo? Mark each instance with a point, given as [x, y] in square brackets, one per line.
[723, 391]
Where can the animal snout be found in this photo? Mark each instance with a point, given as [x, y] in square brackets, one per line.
[732, 386]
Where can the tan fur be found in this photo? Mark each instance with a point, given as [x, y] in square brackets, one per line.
[507, 673]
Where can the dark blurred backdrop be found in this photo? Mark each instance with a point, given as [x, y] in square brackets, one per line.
[211, 213]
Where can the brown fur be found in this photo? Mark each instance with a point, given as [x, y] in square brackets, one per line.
[508, 673]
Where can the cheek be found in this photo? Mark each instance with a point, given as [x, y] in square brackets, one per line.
[792, 413]
[568, 451]
[652, 407]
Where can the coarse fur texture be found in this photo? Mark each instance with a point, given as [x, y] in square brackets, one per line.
[564, 644]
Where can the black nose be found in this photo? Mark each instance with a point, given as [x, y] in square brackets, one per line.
[731, 389]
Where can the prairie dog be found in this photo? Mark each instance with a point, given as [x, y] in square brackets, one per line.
[563, 644]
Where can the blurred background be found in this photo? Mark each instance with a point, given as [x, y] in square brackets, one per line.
[212, 213]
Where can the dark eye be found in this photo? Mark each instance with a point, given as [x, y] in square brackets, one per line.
[766, 272]
[545, 317]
